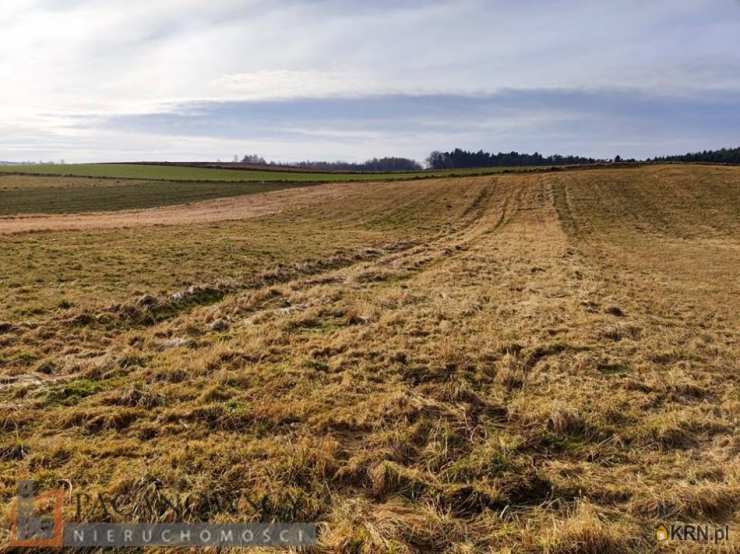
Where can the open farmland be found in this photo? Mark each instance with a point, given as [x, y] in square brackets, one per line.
[174, 172]
[540, 362]
[25, 194]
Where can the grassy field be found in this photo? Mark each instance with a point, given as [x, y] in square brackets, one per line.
[181, 173]
[512, 363]
[20, 194]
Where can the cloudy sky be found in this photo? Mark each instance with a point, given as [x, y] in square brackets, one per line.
[87, 80]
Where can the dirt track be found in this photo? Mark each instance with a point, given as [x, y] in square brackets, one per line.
[221, 209]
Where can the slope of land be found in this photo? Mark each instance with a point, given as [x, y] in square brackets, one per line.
[21, 194]
[247, 204]
[24, 194]
[173, 172]
[536, 363]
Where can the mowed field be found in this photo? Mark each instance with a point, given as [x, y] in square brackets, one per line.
[541, 362]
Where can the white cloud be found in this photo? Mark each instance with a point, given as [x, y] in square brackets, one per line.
[65, 58]
[266, 84]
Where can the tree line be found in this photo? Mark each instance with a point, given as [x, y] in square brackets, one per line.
[458, 158]
[723, 155]
[375, 164]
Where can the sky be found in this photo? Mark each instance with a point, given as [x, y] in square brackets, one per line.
[85, 80]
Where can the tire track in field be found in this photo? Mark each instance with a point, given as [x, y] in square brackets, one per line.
[491, 209]
[404, 256]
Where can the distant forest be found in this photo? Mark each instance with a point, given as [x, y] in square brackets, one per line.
[462, 158]
[724, 155]
[458, 158]
[376, 164]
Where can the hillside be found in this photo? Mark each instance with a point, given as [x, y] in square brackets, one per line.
[542, 362]
[220, 173]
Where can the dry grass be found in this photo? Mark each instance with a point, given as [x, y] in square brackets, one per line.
[538, 363]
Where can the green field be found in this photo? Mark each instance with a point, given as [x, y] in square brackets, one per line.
[20, 194]
[183, 173]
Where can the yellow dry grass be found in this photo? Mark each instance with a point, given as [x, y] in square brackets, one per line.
[522, 363]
